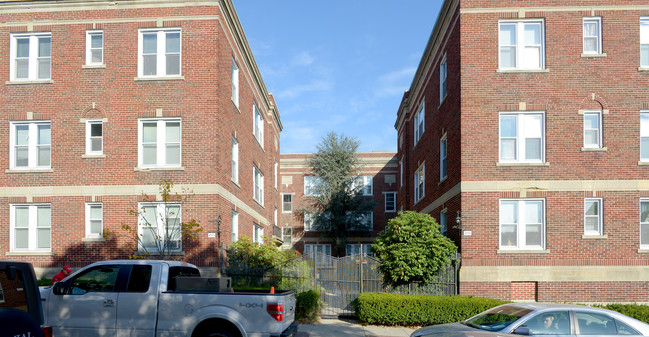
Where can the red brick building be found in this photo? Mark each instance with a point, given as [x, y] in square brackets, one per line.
[101, 100]
[378, 173]
[526, 131]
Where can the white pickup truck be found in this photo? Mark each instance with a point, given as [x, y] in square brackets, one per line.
[162, 298]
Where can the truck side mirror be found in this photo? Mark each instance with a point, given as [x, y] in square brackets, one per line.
[57, 289]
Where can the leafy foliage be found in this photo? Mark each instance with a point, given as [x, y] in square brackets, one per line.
[412, 249]
[637, 311]
[307, 306]
[254, 255]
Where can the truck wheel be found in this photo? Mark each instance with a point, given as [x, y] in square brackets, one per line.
[214, 329]
[219, 333]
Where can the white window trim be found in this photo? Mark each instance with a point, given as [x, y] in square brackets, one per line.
[313, 184]
[366, 250]
[598, 113]
[644, 40]
[89, 233]
[643, 222]
[32, 145]
[385, 202]
[600, 217]
[419, 120]
[443, 221]
[401, 173]
[258, 124]
[160, 143]
[275, 174]
[322, 248]
[443, 156]
[521, 225]
[365, 184]
[89, 137]
[235, 83]
[161, 63]
[598, 21]
[520, 42]
[32, 228]
[235, 160]
[33, 56]
[89, 34]
[520, 137]
[308, 221]
[420, 194]
[645, 130]
[161, 209]
[443, 77]
[288, 243]
[235, 226]
[258, 233]
[283, 203]
[258, 185]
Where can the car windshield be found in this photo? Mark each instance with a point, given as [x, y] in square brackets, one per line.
[497, 318]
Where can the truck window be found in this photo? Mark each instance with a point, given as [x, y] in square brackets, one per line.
[140, 278]
[12, 292]
[97, 279]
[180, 271]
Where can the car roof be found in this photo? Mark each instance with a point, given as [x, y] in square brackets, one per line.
[170, 263]
[535, 306]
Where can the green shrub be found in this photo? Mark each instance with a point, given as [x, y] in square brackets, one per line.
[637, 311]
[307, 307]
[413, 310]
[45, 282]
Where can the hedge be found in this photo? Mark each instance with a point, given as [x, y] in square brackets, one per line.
[307, 307]
[418, 310]
[639, 312]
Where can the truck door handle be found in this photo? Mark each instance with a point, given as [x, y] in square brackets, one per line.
[109, 303]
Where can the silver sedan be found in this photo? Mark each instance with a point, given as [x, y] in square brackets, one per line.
[540, 319]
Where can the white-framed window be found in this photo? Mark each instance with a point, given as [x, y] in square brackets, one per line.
[358, 249]
[419, 123]
[360, 222]
[275, 174]
[390, 202]
[160, 223]
[522, 224]
[312, 185]
[420, 179]
[235, 160]
[521, 44]
[235, 226]
[31, 145]
[593, 217]
[287, 237]
[401, 173]
[593, 128]
[310, 248]
[159, 52]
[258, 126]
[258, 182]
[235, 83]
[94, 47]
[31, 56]
[522, 137]
[257, 234]
[287, 203]
[94, 137]
[31, 228]
[592, 35]
[275, 217]
[644, 136]
[159, 142]
[309, 218]
[364, 184]
[644, 42]
[443, 69]
[443, 173]
[94, 220]
[644, 223]
[443, 221]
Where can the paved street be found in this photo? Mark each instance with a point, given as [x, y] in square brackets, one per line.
[349, 328]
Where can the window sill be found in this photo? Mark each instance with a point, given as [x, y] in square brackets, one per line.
[590, 236]
[593, 55]
[179, 168]
[29, 254]
[93, 156]
[37, 171]
[93, 240]
[29, 82]
[516, 71]
[386, 211]
[523, 251]
[521, 164]
[155, 254]
[236, 183]
[93, 66]
[594, 149]
[643, 163]
[173, 78]
[287, 212]
[258, 203]
[642, 69]
[643, 251]
[236, 106]
[442, 180]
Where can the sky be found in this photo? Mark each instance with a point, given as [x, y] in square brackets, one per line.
[337, 65]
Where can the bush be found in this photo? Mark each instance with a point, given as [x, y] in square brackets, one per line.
[45, 282]
[637, 311]
[418, 310]
[307, 307]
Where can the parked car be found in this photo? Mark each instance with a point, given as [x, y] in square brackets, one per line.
[538, 319]
[20, 302]
[162, 298]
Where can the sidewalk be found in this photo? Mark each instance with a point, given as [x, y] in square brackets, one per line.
[349, 328]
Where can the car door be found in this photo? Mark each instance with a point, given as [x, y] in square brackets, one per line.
[138, 302]
[87, 304]
[554, 323]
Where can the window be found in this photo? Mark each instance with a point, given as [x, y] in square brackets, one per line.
[94, 47]
[159, 53]
[287, 237]
[593, 129]
[522, 137]
[591, 323]
[443, 227]
[94, 220]
[522, 224]
[360, 221]
[258, 179]
[275, 217]
[644, 136]
[549, 323]
[258, 124]
[419, 123]
[275, 175]
[419, 183]
[442, 159]
[312, 185]
[235, 226]
[358, 249]
[257, 234]
[592, 35]
[443, 68]
[31, 228]
[309, 219]
[644, 223]
[235, 160]
[140, 278]
[363, 184]
[593, 216]
[312, 249]
[400, 173]
[159, 143]
[235, 83]
[644, 42]
[287, 203]
[390, 202]
[94, 137]
[31, 56]
[521, 45]
[160, 227]
[95, 279]
[30, 145]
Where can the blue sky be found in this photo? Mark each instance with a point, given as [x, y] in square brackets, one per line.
[337, 65]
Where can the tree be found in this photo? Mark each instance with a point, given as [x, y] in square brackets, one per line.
[160, 231]
[412, 249]
[338, 205]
